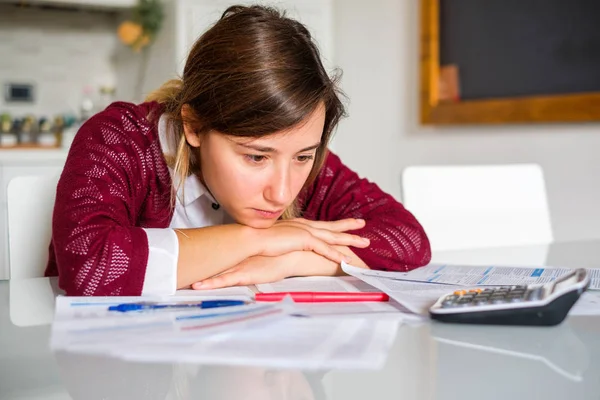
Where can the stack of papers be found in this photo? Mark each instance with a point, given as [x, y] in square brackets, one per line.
[277, 335]
[85, 324]
[295, 343]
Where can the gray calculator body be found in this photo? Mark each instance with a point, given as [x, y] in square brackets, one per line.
[546, 304]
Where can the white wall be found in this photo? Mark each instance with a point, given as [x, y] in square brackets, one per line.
[60, 52]
[376, 44]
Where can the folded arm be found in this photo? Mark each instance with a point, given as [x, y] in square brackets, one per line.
[398, 241]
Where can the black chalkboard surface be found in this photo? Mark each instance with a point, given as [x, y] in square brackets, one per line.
[513, 48]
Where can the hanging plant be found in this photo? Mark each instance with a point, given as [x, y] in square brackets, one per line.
[146, 22]
[139, 32]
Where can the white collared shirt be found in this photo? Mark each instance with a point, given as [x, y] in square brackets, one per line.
[193, 209]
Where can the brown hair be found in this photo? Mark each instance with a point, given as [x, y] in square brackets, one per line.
[255, 72]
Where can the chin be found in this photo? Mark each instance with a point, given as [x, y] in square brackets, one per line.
[257, 223]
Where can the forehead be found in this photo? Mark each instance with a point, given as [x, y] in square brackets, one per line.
[306, 133]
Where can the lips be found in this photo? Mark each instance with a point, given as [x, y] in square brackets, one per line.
[268, 213]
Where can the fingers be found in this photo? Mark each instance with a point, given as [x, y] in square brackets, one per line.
[340, 239]
[342, 225]
[234, 278]
[327, 251]
[332, 231]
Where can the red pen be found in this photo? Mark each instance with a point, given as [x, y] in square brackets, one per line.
[323, 297]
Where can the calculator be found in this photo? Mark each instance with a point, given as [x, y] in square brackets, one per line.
[535, 304]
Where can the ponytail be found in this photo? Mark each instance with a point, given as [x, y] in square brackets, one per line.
[168, 93]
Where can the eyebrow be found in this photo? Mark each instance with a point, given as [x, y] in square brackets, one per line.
[272, 150]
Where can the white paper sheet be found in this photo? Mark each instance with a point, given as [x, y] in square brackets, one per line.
[485, 275]
[419, 296]
[235, 292]
[86, 307]
[261, 334]
[299, 343]
[415, 296]
[83, 324]
[371, 310]
[311, 284]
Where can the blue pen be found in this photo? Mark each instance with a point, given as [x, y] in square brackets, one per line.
[125, 307]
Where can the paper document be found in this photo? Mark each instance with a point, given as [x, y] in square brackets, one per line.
[315, 284]
[235, 292]
[260, 334]
[484, 275]
[372, 310]
[415, 296]
[85, 324]
[298, 343]
[419, 296]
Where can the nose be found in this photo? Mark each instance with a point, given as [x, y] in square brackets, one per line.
[279, 191]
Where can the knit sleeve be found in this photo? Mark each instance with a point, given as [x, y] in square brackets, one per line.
[398, 242]
[99, 244]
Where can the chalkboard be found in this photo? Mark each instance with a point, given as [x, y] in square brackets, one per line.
[514, 48]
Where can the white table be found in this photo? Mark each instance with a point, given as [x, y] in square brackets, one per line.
[428, 361]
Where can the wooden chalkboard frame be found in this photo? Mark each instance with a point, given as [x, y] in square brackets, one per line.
[578, 107]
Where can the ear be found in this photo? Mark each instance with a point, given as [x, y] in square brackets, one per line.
[193, 138]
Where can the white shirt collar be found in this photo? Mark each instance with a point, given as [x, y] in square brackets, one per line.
[192, 188]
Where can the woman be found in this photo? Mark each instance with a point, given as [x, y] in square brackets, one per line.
[223, 177]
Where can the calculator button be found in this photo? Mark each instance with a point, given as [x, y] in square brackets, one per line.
[515, 299]
[534, 294]
[481, 301]
[448, 304]
[460, 292]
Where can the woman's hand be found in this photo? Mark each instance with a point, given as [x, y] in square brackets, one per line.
[255, 270]
[318, 236]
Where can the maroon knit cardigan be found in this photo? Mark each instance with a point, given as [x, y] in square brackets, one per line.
[116, 182]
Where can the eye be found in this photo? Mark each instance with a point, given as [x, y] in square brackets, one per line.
[305, 158]
[255, 158]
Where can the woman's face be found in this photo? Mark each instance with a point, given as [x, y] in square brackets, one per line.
[256, 179]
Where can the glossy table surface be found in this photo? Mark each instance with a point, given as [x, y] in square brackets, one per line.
[426, 361]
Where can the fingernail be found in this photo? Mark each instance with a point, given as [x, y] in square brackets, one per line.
[197, 285]
[366, 240]
[348, 259]
[360, 220]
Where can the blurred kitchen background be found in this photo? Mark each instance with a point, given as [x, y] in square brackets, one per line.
[62, 61]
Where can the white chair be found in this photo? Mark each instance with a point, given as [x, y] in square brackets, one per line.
[479, 206]
[30, 201]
